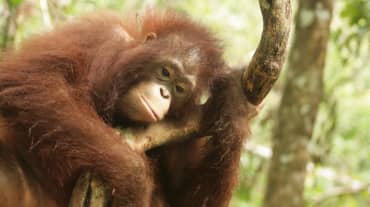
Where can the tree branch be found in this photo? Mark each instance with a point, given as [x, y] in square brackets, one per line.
[265, 66]
[338, 192]
[161, 133]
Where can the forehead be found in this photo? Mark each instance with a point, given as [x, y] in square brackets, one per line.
[186, 54]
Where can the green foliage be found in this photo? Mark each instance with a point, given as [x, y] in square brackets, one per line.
[357, 13]
[352, 37]
[14, 3]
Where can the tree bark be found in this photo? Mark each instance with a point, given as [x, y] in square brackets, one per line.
[267, 61]
[299, 105]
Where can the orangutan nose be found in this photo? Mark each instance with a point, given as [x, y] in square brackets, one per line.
[164, 93]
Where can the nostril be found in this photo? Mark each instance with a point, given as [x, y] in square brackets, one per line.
[164, 93]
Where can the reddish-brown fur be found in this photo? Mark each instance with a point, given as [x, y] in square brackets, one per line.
[57, 94]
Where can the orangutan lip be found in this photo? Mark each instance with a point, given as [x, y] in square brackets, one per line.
[149, 109]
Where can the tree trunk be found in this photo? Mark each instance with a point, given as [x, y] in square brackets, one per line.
[299, 105]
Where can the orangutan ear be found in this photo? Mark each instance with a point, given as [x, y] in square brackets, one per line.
[150, 36]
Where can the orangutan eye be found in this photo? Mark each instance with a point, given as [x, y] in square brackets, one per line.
[165, 72]
[179, 89]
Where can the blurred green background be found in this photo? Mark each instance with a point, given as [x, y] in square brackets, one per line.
[338, 173]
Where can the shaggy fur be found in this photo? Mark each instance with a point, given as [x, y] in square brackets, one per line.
[58, 94]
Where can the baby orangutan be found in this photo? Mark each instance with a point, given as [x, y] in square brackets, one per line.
[63, 93]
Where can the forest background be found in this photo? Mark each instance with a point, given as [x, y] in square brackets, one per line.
[310, 145]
